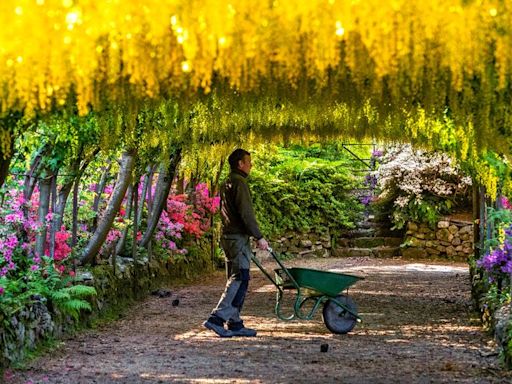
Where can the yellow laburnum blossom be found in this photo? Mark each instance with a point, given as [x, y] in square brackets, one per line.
[96, 49]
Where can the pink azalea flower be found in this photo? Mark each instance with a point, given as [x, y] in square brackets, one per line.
[108, 189]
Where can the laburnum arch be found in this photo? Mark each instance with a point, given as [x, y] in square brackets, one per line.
[435, 73]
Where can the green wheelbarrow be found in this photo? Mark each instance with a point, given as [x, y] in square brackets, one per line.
[314, 288]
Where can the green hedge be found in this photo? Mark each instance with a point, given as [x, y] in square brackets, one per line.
[305, 189]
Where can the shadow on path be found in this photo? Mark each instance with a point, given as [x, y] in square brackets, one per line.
[418, 327]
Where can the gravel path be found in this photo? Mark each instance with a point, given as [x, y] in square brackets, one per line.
[418, 327]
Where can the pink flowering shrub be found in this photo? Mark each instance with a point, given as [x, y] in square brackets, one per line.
[18, 230]
[186, 218]
[62, 249]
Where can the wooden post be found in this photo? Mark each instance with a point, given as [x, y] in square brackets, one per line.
[476, 221]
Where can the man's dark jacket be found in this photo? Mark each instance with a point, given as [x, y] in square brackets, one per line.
[236, 206]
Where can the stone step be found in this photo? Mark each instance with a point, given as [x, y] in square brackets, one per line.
[370, 224]
[388, 232]
[354, 233]
[368, 229]
[369, 242]
[381, 251]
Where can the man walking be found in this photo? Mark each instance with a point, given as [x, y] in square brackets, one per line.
[239, 223]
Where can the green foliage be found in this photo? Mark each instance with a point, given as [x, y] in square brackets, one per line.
[70, 300]
[49, 285]
[499, 219]
[293, 190]
[425, 211]
[495, 297]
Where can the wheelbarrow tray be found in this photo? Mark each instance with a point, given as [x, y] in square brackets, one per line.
[318, 282]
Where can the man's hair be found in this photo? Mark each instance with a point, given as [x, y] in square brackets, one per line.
[236, 156]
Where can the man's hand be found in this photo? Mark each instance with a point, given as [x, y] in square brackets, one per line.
[262, 244]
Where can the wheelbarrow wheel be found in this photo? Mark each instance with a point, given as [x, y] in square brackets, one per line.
[336, 318]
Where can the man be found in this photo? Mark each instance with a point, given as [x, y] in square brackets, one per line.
[239, 223]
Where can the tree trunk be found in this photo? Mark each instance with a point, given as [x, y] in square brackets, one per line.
[104, 225]
[122, 241]
[476, 220]
[54, 225]
[135, 226]
[150, 190]
[147, 186]
[97, 199]
[163, 187]
[61, 205]
[74, 229]
[180, 187]
[8, 124]
[31, 177]
[5, 162]
[215, 185]
[66, 188]
[44, 205]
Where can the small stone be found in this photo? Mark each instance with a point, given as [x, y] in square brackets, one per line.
[412, 226]
[443, 224]
[453, 229]
[467, 229]
[414, 253]
[162, 293]
[85, 276]
[467, 250]
[306, 243]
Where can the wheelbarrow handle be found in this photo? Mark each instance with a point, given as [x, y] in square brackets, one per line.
[281, 265]
[264, 271]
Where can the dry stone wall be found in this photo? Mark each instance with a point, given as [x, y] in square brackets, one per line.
[23, 331]
[451, 239]
[299, 244]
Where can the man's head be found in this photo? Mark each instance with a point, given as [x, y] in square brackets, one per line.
[240, 159]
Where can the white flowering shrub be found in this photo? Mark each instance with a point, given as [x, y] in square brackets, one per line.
[419, 186]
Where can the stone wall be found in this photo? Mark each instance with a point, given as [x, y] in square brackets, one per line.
[302, 244]
[451, 239]
[26, 329]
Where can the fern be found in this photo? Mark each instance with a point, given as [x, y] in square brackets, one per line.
[74, 306]
[69, 300]
[60, 296]
[81, 290]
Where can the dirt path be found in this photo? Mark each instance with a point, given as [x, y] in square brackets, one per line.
[417, 328]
